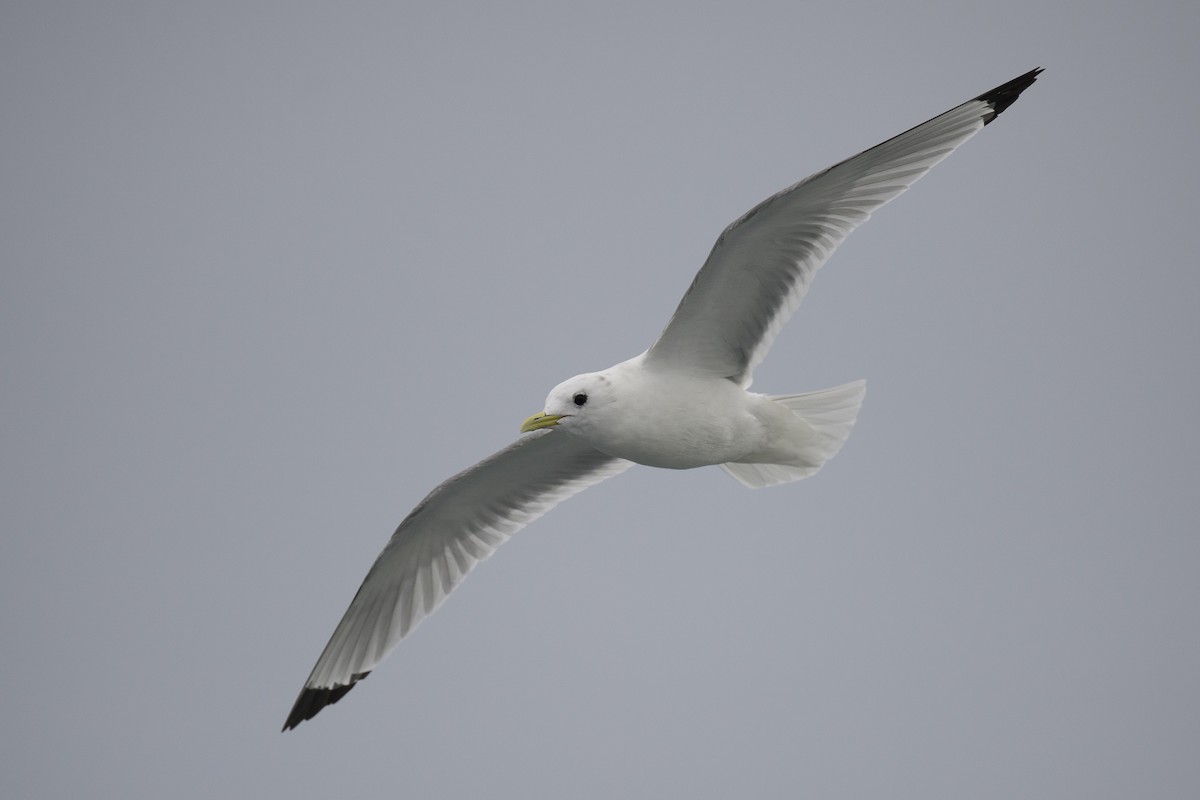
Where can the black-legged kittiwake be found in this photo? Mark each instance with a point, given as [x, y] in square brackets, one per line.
[681, 404]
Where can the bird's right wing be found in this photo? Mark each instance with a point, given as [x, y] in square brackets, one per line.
[761, 266]
[458, 525]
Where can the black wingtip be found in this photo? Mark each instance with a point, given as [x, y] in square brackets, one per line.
[311, 701]
[1006, 94]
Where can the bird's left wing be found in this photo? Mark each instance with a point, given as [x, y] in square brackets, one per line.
[761, 266]
[458, 525]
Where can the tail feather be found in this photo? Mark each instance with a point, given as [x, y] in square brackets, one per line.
[831, 414]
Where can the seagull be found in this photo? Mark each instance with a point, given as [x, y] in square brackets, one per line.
[681, 404]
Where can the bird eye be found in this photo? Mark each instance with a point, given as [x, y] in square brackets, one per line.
[580, 398]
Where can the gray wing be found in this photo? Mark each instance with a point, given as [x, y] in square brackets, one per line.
[459, 524]
[761, 266]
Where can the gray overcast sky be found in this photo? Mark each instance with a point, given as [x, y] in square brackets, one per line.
[271, 271]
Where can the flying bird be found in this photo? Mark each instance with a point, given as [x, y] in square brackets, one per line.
[683, 403]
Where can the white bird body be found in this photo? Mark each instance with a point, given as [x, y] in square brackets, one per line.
[652, 416]
[681, 404]
[662, 419]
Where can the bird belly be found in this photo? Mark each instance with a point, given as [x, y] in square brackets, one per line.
[683, 438]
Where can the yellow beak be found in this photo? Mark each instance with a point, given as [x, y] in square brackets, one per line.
[538, 421]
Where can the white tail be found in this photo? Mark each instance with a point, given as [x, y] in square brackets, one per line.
[831, 414]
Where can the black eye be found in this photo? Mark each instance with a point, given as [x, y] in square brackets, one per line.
[580, 398]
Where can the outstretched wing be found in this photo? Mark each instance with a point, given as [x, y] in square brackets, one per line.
[459, 524]
[761, 266]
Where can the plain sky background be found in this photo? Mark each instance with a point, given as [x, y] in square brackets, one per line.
[271, 271]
